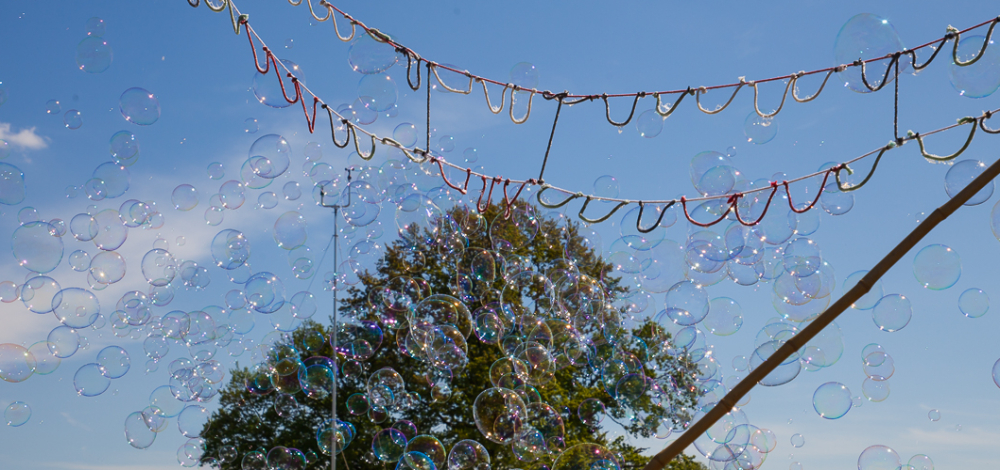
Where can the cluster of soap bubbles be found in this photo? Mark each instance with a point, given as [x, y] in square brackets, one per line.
[878, 366]
[93, 54]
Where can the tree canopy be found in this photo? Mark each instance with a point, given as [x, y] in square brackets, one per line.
[489, 340]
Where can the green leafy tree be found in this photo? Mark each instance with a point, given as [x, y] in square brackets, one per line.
[457, 305]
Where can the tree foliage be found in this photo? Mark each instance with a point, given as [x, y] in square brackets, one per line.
[461, 303]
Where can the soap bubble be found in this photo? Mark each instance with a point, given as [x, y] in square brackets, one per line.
[46, 362]
[138, 432]
[184, 197]
[934, 415]
[405, 134]
[16, 363]
[17, 413]
[72, 119]
[591, 412]
[973, 303]
[832, 400]
[216, 171]
[802, 257]
[276, 155]
[524, 75]
[937, 267]
[378, 92]
[866, 36]
[760, 130]
[649, 124]
[606, 186]
[89, 381]
[498, 413]
[892, 313]
[124, 148]
[589, 456]
[139, 106]
[980, 79]
[867, 301]
[875, 390]
[290, 230]
[36, 247]
[250, 126]
[446, 144]
[95, 27]
[920, 462]
[76, 307]
[879, 457]
[798, 440]
[687, 303]
[267, 200]
[725, 316]
[193, 421]
[11, 184]
[996, 372]
[52, 107]
[389, 444]
[63, 341]
[93, 55]
[267, 89]
[961, 174]
[368, 56]
[114, 362]
[471, 155]
[468, 455]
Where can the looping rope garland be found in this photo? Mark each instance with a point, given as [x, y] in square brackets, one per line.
[953, 34]
[420, 156]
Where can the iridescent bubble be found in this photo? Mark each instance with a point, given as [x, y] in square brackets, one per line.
[802, 257]
[72, 119]
[93, 55]
[981, 78]
[649, 124]
[276, 153]
[832, 400]
[961, 174]
[17, 413]
[687, 303]
[368, 56]
[591, 412]
[16, 363]
[184, 197]
[267, 200]
[216, 171]
[290, 230]
[468, 455]
[378, 92]
[46, 362]
[193, 421]
[138, 432]
[875, 390]
[725, 316]
[760, 130]
[124, 148]
[11, 184]
[107, 267]
[879, 457]
[52, 107]
[89, 381]
[797, 440]
[524, 75]
[76, 307]
[389, 444]
[446, 143]
[250, 126]
[867, 301]
[920, 462]
[973, 303]
[114, 362]
[892, 313]
[606, 186]
[63, 341]
[267, 88]
[405, 134]
[230, 249]
[866, 36]
[95, 27]
[139, 106]
[934, 415]
[36, 247]
[937, 267]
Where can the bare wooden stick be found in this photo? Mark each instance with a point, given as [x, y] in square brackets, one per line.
[660, 460]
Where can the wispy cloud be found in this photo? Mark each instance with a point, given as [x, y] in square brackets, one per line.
[24, 138]
[75, 423]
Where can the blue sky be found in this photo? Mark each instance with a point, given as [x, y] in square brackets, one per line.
[201, 73]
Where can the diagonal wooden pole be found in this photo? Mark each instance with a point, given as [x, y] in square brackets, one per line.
[661, 459]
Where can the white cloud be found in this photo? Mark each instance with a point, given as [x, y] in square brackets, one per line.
[24, 138]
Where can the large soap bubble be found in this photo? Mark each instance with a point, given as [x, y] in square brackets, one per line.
[139, 106]
[37, 247]
[832, 400]
[937, 267]
[981, 78]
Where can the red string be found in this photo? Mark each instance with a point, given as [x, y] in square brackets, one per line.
[309, 122]
[510, 202]
[736, 208]
[267, 65]
[818, 194]
[620, 95]
[479, 203]
[468, 174]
